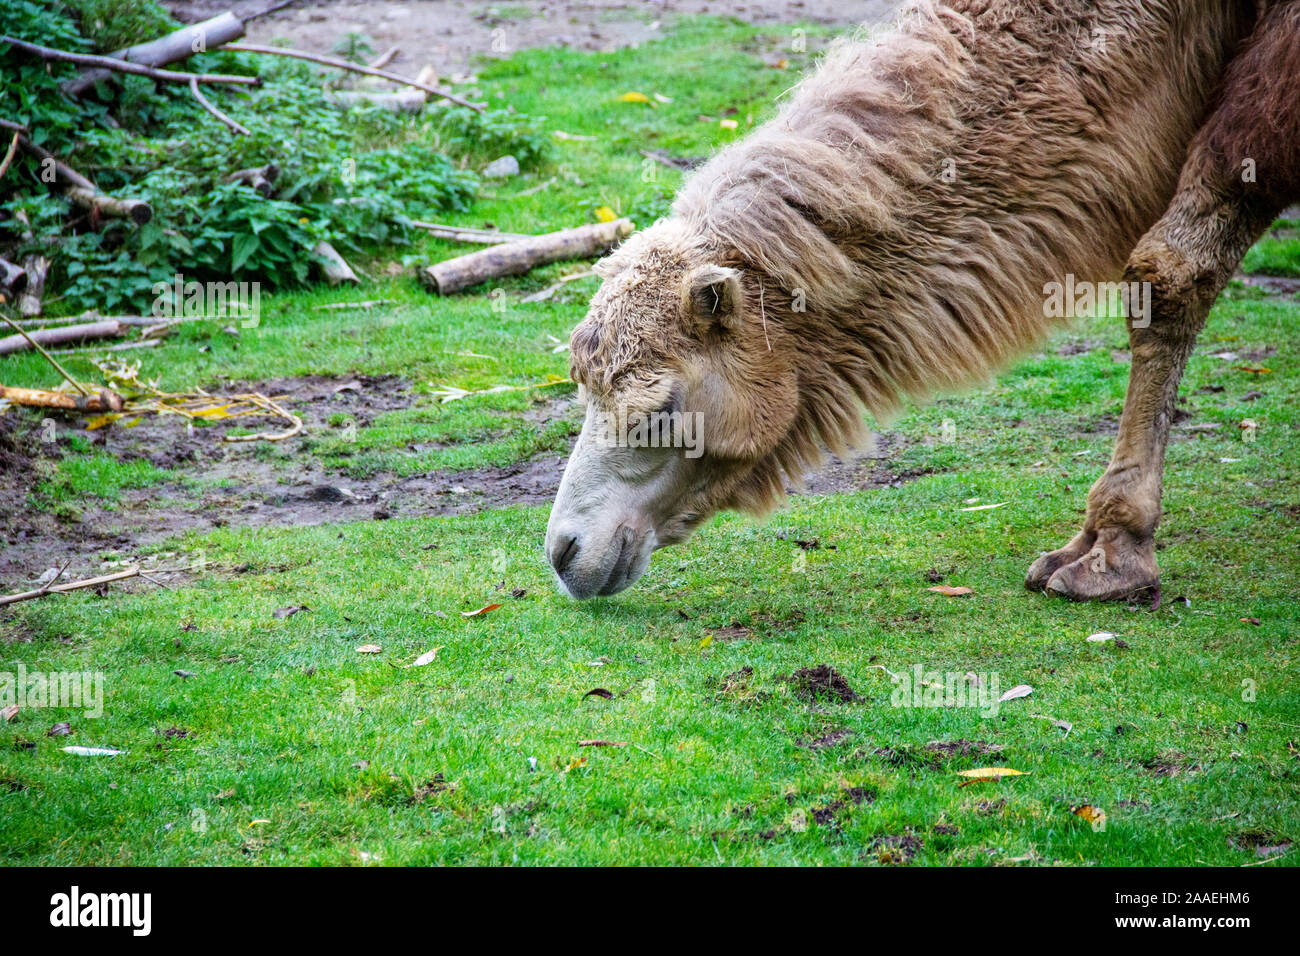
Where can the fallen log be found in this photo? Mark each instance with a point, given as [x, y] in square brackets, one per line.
[13, 278]
[516, 258]
[62, 335]
[403, 101]
[85, 193]
[334, 266]
[261, 179]
[102, 401]
[180, 45]
[70, 586]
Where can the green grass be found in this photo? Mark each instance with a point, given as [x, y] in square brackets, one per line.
[298, 749]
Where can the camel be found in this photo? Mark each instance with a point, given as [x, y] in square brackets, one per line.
[895, 232]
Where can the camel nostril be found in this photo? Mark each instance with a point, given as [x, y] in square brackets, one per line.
[565, 550]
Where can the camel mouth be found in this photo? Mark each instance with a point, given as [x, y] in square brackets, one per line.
[626, 557]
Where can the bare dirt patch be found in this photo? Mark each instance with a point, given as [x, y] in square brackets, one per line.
[222, 484]
[821, 683]
[451, 35]
[896, 850]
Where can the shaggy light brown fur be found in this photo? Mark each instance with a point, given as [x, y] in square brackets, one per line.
[894, 227]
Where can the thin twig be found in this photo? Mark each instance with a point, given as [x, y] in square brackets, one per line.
[271, 9]
[125, 66]
[48, 357]
[535, 189]
[9, 156]
[352, 68]
[207, 105]
[165, 587]
[70, 586]
[264, 402]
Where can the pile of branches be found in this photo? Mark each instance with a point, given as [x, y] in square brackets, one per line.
[23, 280]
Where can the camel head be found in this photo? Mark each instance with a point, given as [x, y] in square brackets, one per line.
[686, 390]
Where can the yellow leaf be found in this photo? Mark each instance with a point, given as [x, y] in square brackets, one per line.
[212, 414]
[634, 97]
[605, 214]
[99, 421]
[708, 639]
[988, 773]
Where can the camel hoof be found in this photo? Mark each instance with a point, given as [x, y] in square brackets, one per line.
[1118, 567]
[1041, 571]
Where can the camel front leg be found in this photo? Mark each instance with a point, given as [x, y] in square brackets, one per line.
[1185, 260]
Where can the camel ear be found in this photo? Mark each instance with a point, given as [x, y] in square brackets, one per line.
[713, 294]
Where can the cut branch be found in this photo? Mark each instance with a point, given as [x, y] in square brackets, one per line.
[70, 586]
[37, 268]
[516, 258]
[486, 237]
[9, 155]
[85, 193]
[203, 101]
[176, 46]
[124, 66]
[352, 68]
[105, 329]
[102, 401]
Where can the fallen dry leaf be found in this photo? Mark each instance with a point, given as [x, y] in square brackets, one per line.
[575, 763]
[428, 657]
[603, 743]
[599, 692]
[481, 611]
[988, 773]
[9, 713]
[62, 729]
[1015, 693]
[1094, 815]
[281, 613]
[92, 751]
[1101, 637]
[369, 649]
[1000, 504]
[949, 591]
[632, 96]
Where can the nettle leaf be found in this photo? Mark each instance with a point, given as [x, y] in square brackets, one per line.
[242, 249]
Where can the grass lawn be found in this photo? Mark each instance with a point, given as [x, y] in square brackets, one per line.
[282, 743]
